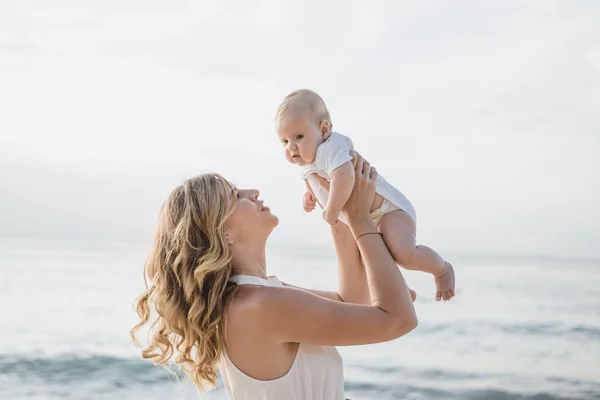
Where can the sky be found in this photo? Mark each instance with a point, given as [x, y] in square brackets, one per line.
[485, 114]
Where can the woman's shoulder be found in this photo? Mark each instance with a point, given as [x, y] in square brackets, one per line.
[255, 313]
[250, 302]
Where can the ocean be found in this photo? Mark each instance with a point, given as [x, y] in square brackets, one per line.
[519, 328]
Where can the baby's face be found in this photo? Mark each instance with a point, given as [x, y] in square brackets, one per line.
[300, 136]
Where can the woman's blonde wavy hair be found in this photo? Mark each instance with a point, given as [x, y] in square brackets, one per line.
[189, 268]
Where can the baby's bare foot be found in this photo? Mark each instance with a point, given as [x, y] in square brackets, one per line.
[445, 284]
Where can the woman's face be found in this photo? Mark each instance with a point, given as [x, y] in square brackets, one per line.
[252, 219]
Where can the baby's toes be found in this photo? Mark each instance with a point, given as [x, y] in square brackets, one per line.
[438, 296]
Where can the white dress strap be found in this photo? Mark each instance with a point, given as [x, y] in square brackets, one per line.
[255, 280]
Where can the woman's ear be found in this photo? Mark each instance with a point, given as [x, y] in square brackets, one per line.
[228, 238]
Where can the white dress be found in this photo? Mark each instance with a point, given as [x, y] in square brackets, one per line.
[334, 152]
[317, 372]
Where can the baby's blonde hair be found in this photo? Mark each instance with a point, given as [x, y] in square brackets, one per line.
[306, 102]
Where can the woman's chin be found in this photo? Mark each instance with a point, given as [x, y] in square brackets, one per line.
[274, 219]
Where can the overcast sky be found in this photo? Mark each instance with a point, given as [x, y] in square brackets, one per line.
[485, 114]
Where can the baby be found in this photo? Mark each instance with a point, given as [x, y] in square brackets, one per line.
[304, 128]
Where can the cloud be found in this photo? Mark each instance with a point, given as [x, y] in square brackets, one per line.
[484, 114]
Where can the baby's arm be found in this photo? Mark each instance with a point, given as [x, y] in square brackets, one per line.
[309, 200]
[308, 188]
[340, 188]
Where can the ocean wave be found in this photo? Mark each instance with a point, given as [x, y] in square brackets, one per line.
[399, 382]
[69, 369]
[371, 391]
[536, 329]
[102, 375]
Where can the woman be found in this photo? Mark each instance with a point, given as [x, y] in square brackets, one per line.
[216, 305]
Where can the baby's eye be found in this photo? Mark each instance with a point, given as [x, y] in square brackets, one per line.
[284, 141]
[299, 137]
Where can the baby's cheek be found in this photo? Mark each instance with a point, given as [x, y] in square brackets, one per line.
[312, 152]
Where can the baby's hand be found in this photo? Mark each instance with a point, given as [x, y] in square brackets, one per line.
[329, 216]
[309, 202]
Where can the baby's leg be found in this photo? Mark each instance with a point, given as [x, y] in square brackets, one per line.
[399, 233]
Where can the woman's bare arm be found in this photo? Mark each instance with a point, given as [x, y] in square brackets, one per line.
[321, 293]
[292, 315]
[352, 277]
